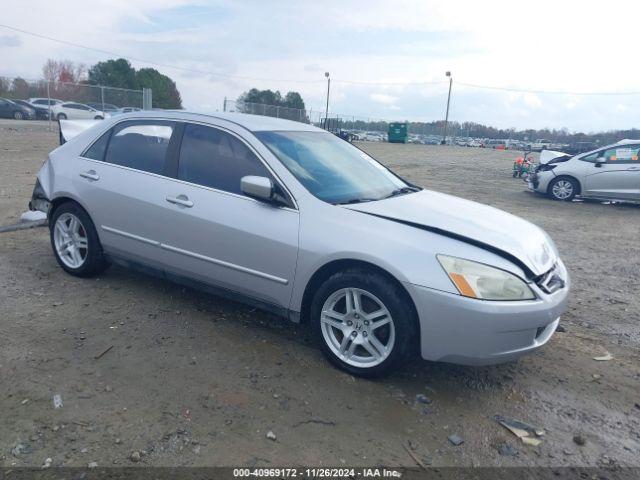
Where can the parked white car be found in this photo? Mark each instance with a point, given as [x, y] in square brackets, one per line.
[608, 173]
[44, 102]
[292, 219]
[76, 111]
[540, 144]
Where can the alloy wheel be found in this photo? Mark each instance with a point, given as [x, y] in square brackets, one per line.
[357, 327]
[70, 239]
[562, 189]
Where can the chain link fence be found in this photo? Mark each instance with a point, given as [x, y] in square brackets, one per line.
[106, 99]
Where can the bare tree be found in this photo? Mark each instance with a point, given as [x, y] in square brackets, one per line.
[64, 71]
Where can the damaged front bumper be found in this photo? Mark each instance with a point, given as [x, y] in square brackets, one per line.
[39, 200]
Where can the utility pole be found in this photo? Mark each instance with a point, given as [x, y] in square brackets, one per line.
[326, 111]
[446, 119]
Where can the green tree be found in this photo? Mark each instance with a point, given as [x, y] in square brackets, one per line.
[165, 92]
[114, 73]
[294, 100]
[269, 97]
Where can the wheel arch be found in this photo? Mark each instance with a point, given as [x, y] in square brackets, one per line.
[564, 175]
[64, 198]
[341, 265]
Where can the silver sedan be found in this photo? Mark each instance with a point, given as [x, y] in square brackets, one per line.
[290, 218]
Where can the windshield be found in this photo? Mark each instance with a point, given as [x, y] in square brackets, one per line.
[332, 169]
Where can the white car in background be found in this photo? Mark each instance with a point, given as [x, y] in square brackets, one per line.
[608, 173]
[44, 102]
[76, 111]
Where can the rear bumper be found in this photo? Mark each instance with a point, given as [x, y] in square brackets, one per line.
[39, 200]
[467, 331]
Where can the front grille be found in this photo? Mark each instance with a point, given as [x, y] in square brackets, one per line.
[551, 281]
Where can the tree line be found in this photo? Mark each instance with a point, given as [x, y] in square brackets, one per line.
[68, 80]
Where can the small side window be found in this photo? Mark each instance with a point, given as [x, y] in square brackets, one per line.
[97, 150]
[141, 145]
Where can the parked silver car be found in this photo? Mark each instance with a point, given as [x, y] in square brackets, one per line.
[608, 173]
[293, 219]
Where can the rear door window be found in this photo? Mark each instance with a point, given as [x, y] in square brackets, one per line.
[216, 159]
[142, 145]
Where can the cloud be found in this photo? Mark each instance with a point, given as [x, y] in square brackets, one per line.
[10, 41]
[384, 48]
[383, 98]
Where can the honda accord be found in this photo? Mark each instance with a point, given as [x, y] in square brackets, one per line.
[296, 221]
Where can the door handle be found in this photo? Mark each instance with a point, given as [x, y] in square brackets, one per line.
[90, 175]
[180, 200]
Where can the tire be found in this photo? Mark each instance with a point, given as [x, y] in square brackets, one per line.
[61, 116]
[18, 115]
[563, 189]
[396, 336]
[90, 259]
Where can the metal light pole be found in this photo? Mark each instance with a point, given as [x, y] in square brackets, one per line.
[446, 119]
[326, 111]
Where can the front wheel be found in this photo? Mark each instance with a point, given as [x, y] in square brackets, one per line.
[365, 324]
[75, 241]
[563, 189]
[18, 115]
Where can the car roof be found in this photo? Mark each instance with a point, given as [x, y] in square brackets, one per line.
[253, 123]
[627, 141]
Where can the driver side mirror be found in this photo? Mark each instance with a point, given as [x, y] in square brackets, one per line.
[600, 161]
[260, 188]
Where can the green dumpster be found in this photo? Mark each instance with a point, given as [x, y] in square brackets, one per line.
[398, 132]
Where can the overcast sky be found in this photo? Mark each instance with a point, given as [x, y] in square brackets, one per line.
[376, 52]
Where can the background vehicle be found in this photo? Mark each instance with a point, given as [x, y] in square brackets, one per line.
[44, 102]
[609, 173]
[40, 113]
[579, 147]
[9, 109]
[103, 107]
[76, 111]
[496, 144]
[540, 144]
[398, 132]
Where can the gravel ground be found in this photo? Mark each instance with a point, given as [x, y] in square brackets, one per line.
[190, 379]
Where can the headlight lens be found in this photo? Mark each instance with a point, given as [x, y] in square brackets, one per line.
[476, 280]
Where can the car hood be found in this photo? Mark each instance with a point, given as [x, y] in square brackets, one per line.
[507, 235]
[546, 156]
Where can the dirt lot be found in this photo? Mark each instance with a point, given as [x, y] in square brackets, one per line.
[196, 380]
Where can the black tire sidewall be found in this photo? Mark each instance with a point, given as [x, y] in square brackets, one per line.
[574, 184]
[395, 300]
[94, 262]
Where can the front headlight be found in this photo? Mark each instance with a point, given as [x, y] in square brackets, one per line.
[476, 280]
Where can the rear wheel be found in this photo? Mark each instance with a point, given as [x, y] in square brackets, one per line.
[563, 189]
[75, 241]
[365, 324]
[18, 115]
